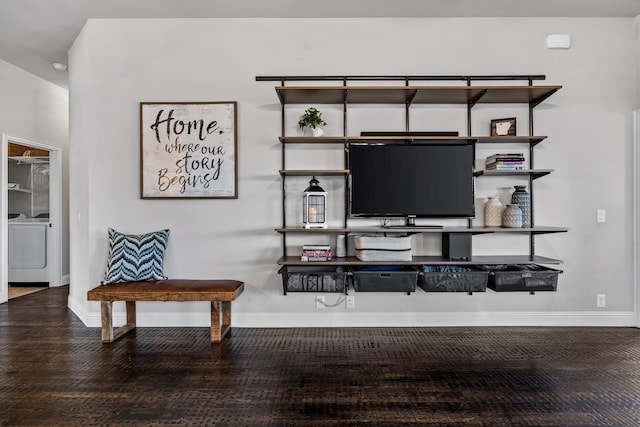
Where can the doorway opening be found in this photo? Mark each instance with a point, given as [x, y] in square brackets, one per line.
[31, 222]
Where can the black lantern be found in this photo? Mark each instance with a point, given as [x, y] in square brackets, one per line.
[314, 206]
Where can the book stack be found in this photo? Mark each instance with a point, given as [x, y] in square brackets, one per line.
[505, 162]
[316, 253]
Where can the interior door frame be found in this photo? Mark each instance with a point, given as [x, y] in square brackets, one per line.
[54, 240]
[636, 215]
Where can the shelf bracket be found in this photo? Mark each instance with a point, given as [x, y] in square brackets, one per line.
[535, 102]
[477, 98]
[412, 96]
[408, 103]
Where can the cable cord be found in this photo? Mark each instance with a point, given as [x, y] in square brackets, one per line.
[337, 303]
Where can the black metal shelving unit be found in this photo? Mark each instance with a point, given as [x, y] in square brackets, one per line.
[459, 89]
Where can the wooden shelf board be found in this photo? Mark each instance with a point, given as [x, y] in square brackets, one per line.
[518, 94]
[439, 139]
[312, 139]
[413, 94]
[533, 230]
[299, 229]
[365, 139]
[418, 229]
[307, 172]
[421, 260]
[513, 259]
[535, 173]
[510, 139]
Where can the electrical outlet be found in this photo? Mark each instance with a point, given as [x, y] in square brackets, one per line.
[600, 300]
[601, 215]
[351, 301]
[320, 301]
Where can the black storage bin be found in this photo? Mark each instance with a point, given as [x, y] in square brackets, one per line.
[452, 278]
[522, 278]
[385, 279]
[314, 279]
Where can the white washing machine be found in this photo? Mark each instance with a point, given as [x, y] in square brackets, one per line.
[28, 261]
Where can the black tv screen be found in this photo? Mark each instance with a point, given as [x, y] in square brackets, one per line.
[411, 180]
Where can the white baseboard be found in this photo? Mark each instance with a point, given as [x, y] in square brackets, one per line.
[80, 310]
[64, 280]
[292, 320]
[312, 320]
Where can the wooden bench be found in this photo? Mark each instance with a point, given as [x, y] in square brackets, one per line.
[219, 292]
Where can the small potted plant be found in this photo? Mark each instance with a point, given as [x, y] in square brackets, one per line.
[312, 120]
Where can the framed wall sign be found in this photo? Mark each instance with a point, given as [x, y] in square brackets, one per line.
[188, 150]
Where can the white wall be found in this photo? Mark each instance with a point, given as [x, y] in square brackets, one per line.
[636, 32]
[118, 63]
[36, 110]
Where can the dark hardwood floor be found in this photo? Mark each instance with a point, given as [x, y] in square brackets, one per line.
[55, 372]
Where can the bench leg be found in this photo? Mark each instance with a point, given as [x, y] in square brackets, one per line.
[109, 333]
[219, 328]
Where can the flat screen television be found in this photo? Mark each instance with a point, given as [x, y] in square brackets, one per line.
[411, 180]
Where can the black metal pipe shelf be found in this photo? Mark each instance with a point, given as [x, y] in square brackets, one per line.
[397, 78]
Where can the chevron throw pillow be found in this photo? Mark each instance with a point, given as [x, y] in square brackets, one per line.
[135, 257]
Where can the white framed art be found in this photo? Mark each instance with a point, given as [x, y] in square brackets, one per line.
[188, 150]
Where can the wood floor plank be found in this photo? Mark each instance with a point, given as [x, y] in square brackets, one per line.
[19, 291]
[55, 371]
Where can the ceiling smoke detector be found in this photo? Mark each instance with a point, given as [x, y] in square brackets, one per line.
[60, 67]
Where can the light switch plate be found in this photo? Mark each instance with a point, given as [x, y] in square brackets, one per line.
[558, 41]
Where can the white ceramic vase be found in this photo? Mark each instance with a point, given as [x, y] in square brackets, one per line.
[493, 212]
[512, 216]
